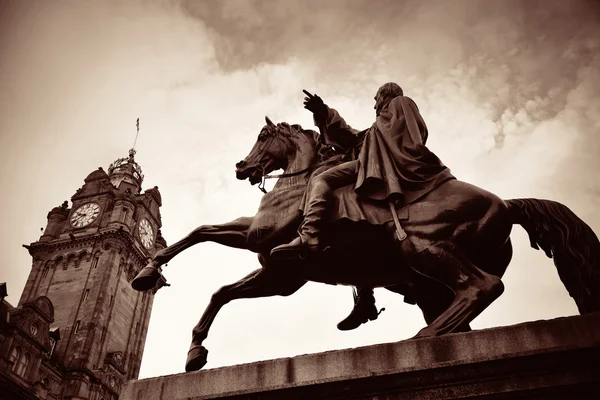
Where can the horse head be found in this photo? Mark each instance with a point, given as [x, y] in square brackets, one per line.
[277, 147]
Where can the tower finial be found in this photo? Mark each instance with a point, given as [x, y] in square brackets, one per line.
[137, 125]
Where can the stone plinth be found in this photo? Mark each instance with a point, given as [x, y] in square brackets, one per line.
[552, 359]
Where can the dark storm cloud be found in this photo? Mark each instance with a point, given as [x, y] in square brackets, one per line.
[515, 56]
[251, 32]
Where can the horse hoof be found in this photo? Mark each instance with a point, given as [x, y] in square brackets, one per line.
[426, 332]
[196, 358]
[146, 279]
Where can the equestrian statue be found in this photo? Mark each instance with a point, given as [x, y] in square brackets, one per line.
[376, 208]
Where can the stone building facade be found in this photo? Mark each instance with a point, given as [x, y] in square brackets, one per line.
[79, 329]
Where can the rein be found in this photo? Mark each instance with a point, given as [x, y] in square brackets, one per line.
[312, 167]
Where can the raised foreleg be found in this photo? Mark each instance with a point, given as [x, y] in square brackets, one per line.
[260, 283]
[231, 234]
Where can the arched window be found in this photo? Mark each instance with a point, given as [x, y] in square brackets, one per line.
[95, 261]
[71, 260]
[14, 357]
[22, 365]
[46, 383]
[52, 346]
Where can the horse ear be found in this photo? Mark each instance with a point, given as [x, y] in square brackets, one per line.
[269, 122]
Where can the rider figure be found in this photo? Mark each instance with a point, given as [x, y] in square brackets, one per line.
[393, 165]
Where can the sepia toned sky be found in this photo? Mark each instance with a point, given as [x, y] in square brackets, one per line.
[509, 90]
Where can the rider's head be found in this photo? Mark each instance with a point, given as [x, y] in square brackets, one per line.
[385, 94]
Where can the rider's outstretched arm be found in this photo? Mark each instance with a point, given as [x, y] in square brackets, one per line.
[337, 131]
[332, 126]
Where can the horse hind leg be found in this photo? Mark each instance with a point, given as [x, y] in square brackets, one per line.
[432, 297]
[474, 289]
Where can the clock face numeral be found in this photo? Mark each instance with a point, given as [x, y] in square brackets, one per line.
[146, 233]
[85, 215]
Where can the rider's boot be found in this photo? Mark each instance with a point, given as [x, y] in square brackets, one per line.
[364, 310]
[307, 242]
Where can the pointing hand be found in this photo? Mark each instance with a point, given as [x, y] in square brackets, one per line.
[314, 103]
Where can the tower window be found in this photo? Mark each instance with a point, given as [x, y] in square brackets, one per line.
[111, 300]
[45, 272]
[95, 262]
[52, 346]
[76, 328]
[86, 294]
[137, 327]
[14, 357]
[22, 365]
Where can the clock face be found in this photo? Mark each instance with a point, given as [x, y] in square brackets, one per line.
[85, 215]
[146, 233]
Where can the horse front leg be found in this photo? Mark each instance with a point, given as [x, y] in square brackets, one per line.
[232, 234]
[260, 283]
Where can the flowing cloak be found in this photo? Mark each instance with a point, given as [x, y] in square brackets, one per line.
[394, 163]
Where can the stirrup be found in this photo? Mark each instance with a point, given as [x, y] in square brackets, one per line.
[296, 248]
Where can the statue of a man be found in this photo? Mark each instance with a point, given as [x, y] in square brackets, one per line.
[393, 165]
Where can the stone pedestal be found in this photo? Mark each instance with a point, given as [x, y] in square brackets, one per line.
[555, 359]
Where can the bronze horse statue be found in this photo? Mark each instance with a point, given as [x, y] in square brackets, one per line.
[458, 245]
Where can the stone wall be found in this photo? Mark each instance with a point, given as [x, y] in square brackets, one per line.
[552, 359]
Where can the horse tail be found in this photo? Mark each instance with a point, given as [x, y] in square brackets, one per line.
[572, 244]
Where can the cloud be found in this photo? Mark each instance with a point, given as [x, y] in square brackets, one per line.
[509, 70]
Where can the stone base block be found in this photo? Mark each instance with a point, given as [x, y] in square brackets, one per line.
[554, 359]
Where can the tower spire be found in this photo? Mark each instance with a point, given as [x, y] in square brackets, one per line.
[137, 125]
[127, 169]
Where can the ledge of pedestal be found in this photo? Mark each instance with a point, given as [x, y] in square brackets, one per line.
[541, 358]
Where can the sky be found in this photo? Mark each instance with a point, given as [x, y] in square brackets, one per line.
[509, 91]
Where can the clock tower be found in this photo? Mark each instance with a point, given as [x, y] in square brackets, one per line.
[84, 263]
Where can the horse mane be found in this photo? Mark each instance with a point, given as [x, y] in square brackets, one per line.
[295, 129]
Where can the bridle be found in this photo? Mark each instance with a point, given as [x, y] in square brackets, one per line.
[261, 186]
[310, 168]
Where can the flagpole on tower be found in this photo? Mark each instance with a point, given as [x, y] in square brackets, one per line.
[137, 125]
[132, 151]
